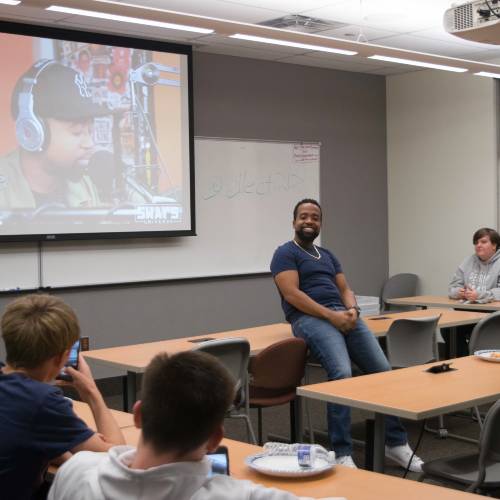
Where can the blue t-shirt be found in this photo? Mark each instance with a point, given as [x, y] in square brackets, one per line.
[316, 276]
[37, 424]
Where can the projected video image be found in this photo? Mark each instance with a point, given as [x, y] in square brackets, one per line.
[95, 138]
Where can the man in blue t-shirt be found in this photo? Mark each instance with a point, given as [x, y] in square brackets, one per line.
[322, 309]
[37, 423]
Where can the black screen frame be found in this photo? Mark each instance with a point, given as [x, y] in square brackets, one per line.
[127, 42]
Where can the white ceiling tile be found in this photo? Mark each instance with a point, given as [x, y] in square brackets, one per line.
[353, 31]
[214, 8]
[292, 6]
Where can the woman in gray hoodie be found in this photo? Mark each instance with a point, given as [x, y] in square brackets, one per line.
[477, 279]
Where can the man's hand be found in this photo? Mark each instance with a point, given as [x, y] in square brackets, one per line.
[461, 293]
[354, 317]
[343, 320]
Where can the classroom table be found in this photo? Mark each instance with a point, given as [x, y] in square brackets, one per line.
[85, 413]
[135, 358]
[425, 301]
[412, 393]
[354, 484]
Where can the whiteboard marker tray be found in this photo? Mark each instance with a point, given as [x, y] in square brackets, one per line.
[285, 465]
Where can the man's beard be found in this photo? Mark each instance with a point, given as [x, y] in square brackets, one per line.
[307, 237]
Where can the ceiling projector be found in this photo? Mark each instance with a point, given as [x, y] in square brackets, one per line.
[477, 20]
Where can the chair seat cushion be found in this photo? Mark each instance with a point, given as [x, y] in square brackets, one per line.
[260, 396]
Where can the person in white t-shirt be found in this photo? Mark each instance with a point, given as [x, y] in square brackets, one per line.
[181, 415]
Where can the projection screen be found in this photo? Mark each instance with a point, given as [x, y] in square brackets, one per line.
[97, 136]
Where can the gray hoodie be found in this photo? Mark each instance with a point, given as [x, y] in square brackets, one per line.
[482, 276]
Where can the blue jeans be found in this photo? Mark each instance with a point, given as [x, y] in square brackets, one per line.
[335, 350]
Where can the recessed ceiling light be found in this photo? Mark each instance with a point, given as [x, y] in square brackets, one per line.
[487, 73]
[127, 19]
[297, 45]
[412, 62]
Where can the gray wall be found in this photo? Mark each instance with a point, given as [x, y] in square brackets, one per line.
[244, 98]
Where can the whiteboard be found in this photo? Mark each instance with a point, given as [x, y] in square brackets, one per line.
[20, 266]
[245, 194]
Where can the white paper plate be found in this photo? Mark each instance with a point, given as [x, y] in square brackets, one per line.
[486, 355]
[285, 465]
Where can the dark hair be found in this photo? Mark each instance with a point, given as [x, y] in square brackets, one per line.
[304, 201]
[36, 328]
[486, 231]
[184, 399]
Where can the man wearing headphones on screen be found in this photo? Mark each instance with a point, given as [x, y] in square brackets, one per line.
[54, 112]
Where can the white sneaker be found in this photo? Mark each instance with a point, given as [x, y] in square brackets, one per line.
[346, 461]
[401, 455]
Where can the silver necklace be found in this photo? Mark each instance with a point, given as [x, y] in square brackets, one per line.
[317, 257]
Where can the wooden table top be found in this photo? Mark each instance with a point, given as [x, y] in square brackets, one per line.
[354, 484]
[85, 413]
[136, 357]
[414, 393]
[449, 318]
[442, 301]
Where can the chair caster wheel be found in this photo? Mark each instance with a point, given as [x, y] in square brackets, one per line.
[442, 433]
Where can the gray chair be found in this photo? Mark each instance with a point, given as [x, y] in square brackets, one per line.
[486, 334]
[399, 285]
[234, 354]
[411, 342]
[478, 471]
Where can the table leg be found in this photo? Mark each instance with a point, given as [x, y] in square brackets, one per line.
[379, 443]
[131, 391]
[453, 342]
[125, 393]
[298, 430]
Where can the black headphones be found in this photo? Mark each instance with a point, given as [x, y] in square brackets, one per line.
[31, 132]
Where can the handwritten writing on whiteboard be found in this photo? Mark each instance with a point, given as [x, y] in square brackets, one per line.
[304, 152]
[246, 183]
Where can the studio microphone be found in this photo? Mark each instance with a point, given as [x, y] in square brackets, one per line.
[101, 168]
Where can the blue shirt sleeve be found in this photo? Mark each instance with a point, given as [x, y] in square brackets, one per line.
[57, 429]
[283, 260]
[335, 261]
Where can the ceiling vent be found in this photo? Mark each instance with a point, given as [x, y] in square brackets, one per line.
[304, 24]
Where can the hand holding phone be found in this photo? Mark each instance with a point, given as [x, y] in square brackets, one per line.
[72, 361]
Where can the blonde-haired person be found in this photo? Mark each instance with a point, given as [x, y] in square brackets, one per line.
[37, 422]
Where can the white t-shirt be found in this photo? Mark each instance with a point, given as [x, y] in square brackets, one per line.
[102, 476]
